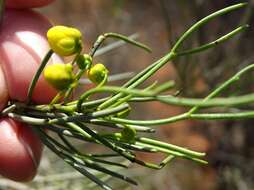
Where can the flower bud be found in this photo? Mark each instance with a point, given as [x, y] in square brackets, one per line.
[60, 76]
[84, 61]
[97, 73]
[64, 40]
[128, 134]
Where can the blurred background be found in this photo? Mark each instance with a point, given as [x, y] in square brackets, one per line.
[229, 144]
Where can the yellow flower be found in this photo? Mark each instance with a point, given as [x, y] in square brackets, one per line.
[97, 73]
[64, 40]
[60, 76]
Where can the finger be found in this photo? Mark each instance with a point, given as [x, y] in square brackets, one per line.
[22, 47]
[27, 3]
[20, 151]
[3, 90]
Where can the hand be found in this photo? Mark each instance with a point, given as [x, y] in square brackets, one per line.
[22, 46]
[26, 3]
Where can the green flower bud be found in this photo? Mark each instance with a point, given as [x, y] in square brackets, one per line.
[128, 134]
[60, 76]
[97, 73]
[64, 40]
[84, 61]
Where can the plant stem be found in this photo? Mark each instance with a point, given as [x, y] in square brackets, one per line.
[223, 86]
[150, 70]
[37, 75]
[203, 21]
[103, 37]
[214, 43]
[112, 89]
[140, 78]
[170, 146]
[233, 101]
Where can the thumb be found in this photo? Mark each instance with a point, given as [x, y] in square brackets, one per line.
[26, 3]
[22, 47]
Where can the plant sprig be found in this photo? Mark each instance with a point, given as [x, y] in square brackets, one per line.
[71, 119]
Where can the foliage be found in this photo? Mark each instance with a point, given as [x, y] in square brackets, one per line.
[72, 118]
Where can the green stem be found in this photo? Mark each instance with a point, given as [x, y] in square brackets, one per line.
[37, 75]
[74, 85]
[103, 37]
[148, 122]
[69, 107]
[77, 55]
[204, 116]
[170, 146]
[57, 98]
[101, 161]
[9, 109]
[203, 22]
[223, 116]
[174, 153]
[190, 102]
[214, 43]
[140, 78]
[223, 86]
[112, 89]
[128, 97]
[119, 126]
[50, 143]
[27, 119]
[146, 73]
[87, 117]
[110, 111]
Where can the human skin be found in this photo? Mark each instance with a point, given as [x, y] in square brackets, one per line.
[22, 47]
[27, 3]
